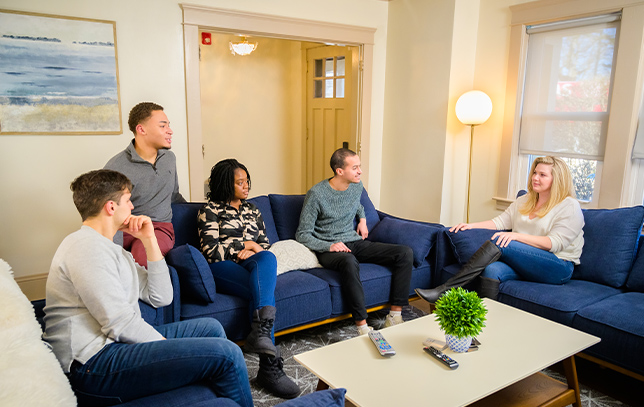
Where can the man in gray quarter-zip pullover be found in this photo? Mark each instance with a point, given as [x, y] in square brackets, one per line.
[151, 166]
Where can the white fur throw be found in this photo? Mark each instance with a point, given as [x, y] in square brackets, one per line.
[30, 374]
[293, 255]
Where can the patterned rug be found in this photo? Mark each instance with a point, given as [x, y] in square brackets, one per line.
[314, 338]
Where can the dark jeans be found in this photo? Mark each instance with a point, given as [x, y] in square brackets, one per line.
[520, 261]
[397, 257]
[195, 350]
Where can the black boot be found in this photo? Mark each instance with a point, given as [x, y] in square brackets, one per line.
[273, 379]
[487, 254]
[259, 339]
[489, 288]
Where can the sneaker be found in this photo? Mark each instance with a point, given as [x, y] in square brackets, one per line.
[364, 329]
[391, 321]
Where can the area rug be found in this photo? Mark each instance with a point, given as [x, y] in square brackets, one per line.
[314, 338]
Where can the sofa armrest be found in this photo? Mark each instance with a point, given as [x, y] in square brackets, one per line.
[169, 313]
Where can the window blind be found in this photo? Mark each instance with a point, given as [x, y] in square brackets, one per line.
[568, 82]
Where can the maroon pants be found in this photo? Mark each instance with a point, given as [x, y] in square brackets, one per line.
[165, 236]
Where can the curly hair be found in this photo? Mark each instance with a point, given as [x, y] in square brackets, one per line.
[140, 113]
[221, 183]
[562, 186]
[93, 189]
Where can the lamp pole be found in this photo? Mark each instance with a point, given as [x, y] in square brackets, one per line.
[469, 175]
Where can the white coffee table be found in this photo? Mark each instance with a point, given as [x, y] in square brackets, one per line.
[515, 346]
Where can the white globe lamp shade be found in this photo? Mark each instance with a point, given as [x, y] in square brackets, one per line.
[473, 108]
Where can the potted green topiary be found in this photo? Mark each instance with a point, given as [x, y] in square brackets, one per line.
[461, 315]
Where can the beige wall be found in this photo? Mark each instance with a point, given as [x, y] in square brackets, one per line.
[416, 91]
[252, 111]
[36, 211]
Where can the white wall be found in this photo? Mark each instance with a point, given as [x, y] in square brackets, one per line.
[252, 111]
[36, 211]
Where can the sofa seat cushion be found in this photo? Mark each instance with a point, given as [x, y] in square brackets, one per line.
[610, 242]
[558, 303]
[415, 235]
[227, 309]
[300, 299]
[618, 321]
[421, 277]
[376, 281]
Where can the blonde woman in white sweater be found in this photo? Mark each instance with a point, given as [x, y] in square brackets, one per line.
[544, 242]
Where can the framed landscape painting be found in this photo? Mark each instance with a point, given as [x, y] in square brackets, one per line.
[58, 75]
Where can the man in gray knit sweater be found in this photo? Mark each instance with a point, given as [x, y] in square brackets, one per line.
[151, 166]
[326, 227]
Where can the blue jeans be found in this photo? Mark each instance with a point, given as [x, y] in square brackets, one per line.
[195, 350]
[253, 279]
[520, 261]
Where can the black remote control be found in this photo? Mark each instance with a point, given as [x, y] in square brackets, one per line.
[443, 358]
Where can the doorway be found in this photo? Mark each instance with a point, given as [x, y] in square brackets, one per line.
[199, 18]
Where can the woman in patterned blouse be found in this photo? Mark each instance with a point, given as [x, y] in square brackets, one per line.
[233, 239]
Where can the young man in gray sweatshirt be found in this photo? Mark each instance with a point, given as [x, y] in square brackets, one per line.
[151, 166]
[326, 227]
[92, 317]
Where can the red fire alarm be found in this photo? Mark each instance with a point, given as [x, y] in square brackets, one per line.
[205, 39]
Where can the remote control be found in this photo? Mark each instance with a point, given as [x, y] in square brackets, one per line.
[381, 343]
[443, 358]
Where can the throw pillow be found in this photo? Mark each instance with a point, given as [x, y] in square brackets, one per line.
[610, 241]
[324, 398]
[292, 255]
[467, 242]
[195, 277]
[418, 236]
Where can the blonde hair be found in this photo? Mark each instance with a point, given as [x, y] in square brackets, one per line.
[562, 186]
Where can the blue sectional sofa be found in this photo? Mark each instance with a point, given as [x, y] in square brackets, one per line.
[605, 296]
[303, 297]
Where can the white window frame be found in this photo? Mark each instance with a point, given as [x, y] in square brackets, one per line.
[619, 173]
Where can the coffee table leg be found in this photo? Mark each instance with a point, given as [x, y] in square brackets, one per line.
[570, 371]
[324, 386]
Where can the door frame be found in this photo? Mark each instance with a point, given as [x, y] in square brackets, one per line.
[197, 18]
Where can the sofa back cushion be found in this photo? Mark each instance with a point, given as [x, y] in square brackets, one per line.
[610, 243]
[184, 221]
[635, 280]
[286, 212]
[263, 203]
[420, 237]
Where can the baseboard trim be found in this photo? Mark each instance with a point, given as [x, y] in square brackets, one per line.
[33, 286]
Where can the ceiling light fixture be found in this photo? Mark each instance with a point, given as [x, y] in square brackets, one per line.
[242, 47]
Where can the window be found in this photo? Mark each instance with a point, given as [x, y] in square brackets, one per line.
[329, 78]
[566, 97]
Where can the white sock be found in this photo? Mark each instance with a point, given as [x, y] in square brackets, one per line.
[394, 313]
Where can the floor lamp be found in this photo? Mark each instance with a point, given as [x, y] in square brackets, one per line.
[473, 108]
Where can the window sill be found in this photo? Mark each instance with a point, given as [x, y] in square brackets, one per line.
[502, 203]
